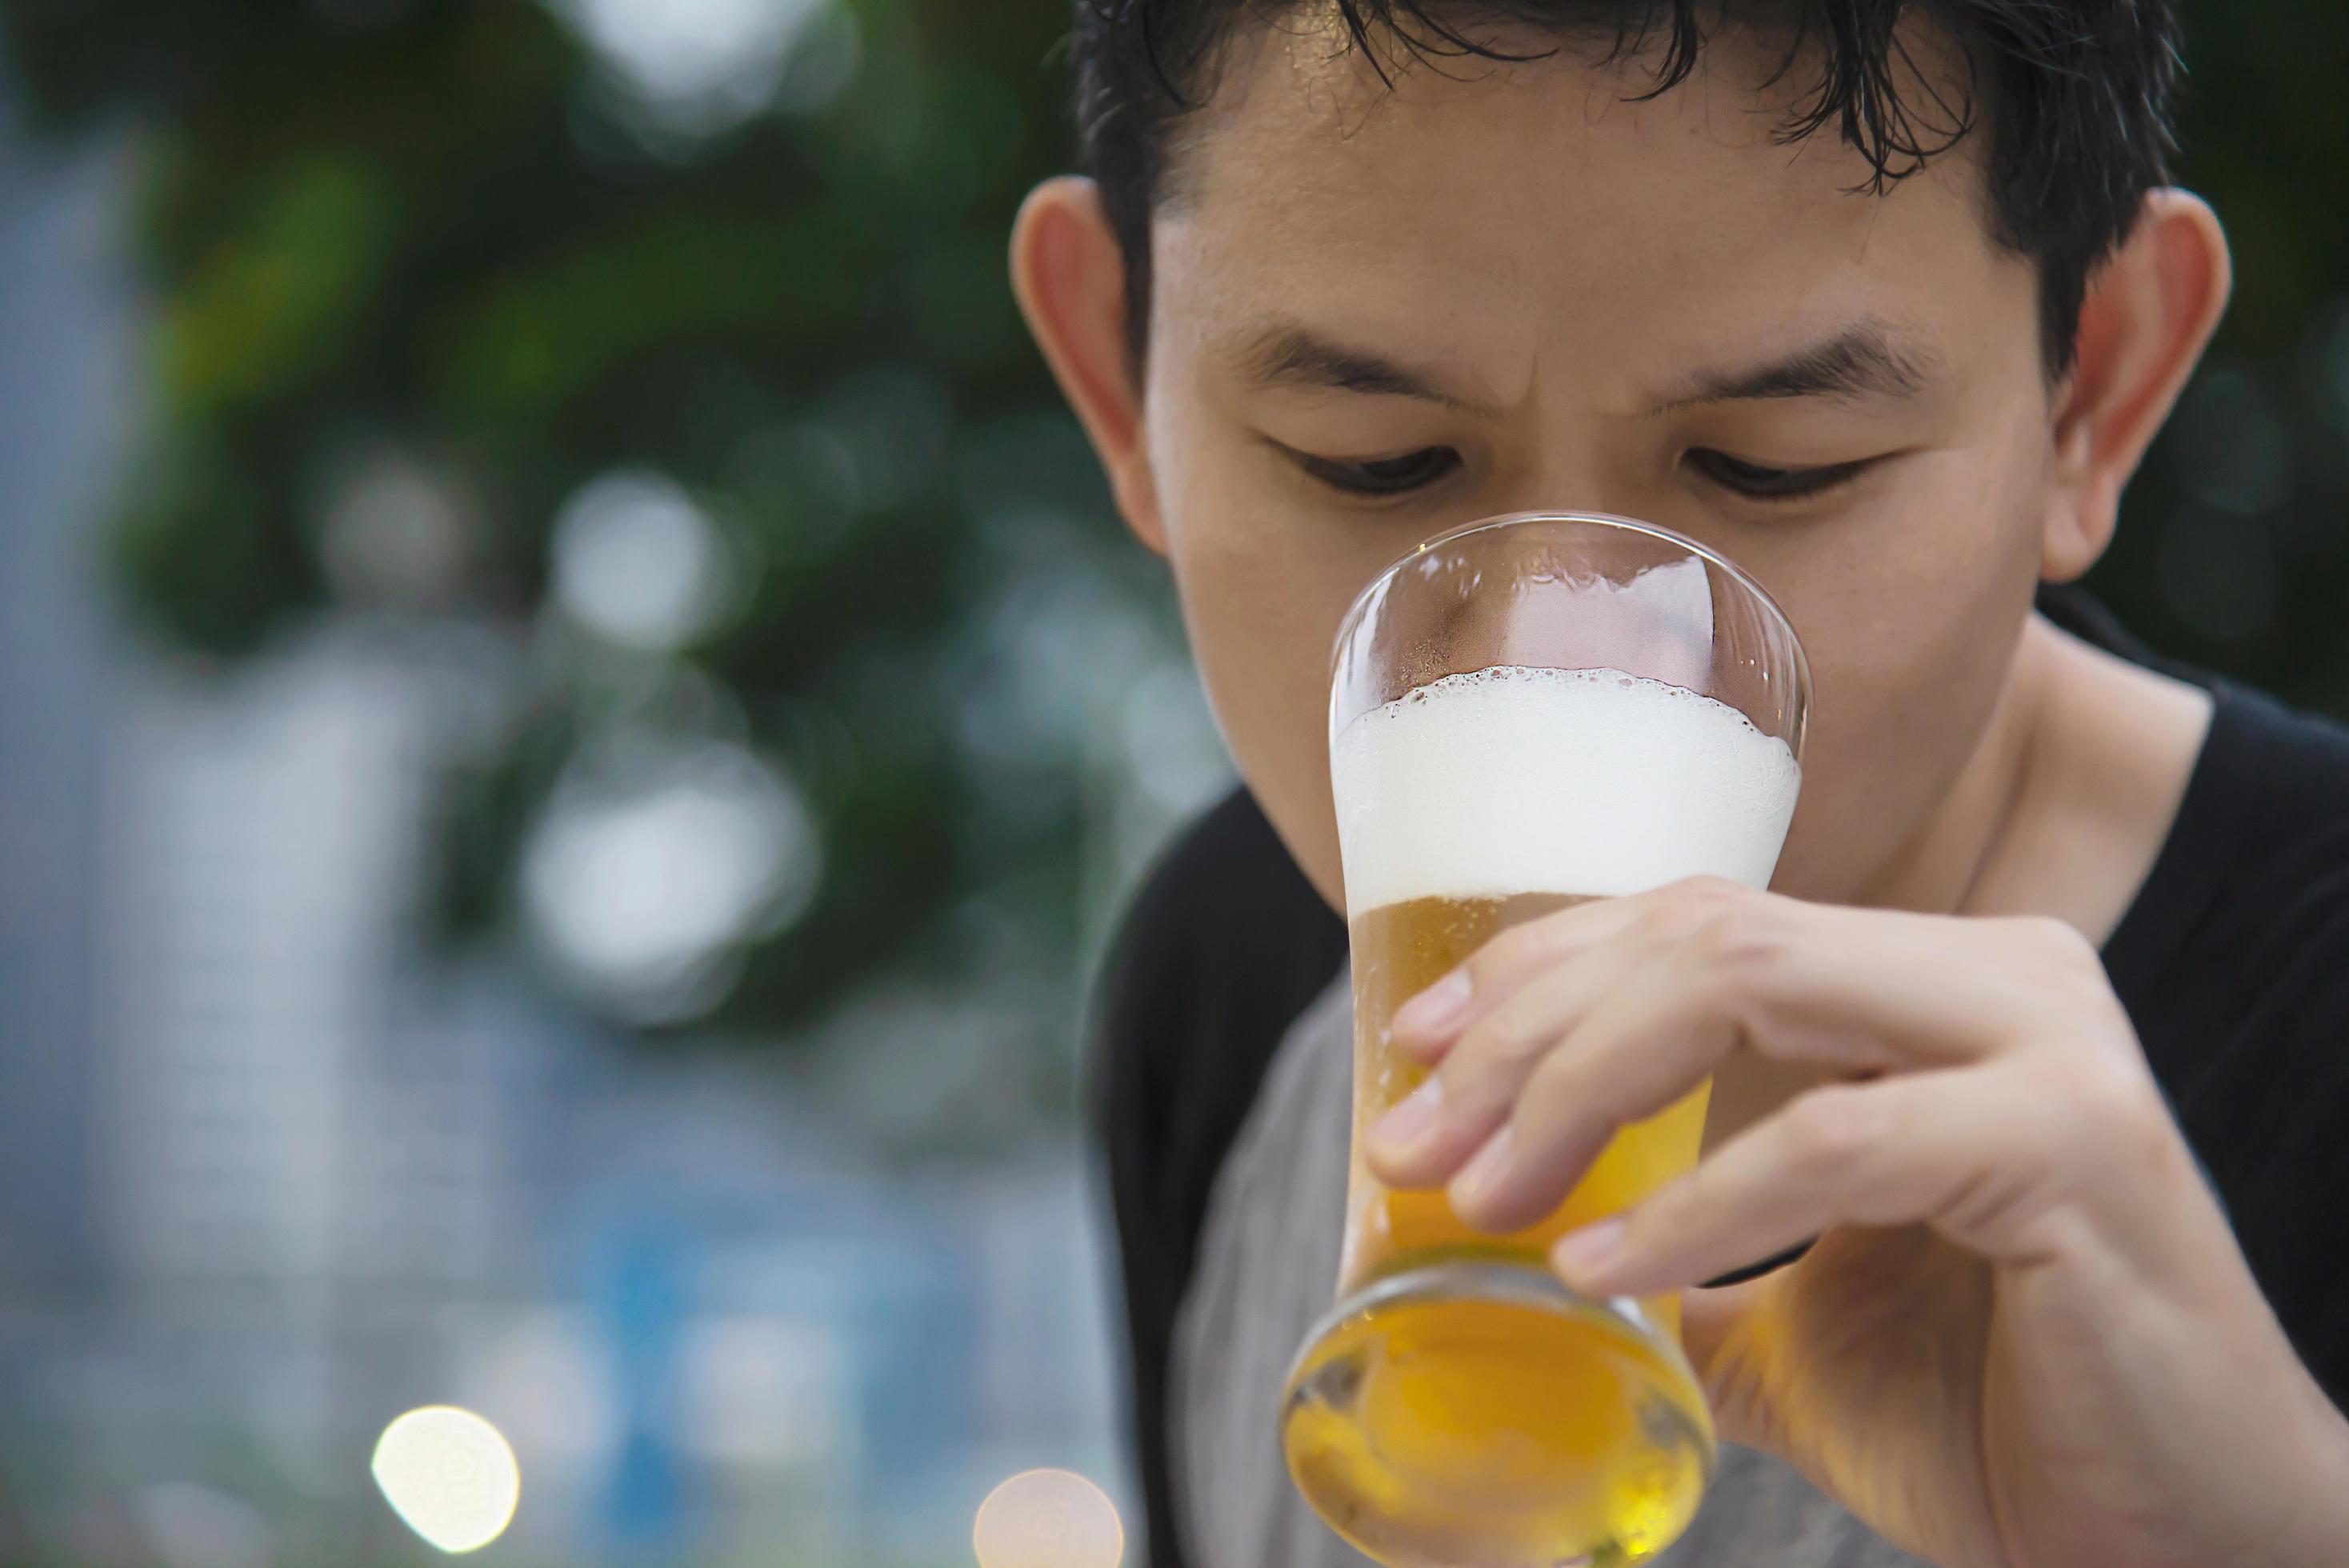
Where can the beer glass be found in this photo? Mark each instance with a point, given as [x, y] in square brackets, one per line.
[1527, 713]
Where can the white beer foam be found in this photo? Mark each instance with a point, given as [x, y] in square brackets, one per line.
[1513, 779]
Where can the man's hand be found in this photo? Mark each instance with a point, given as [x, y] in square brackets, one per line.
[2026, 1336]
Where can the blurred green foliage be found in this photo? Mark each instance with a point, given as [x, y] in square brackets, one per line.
[438, 223]
[2234, 544]
[447, 227]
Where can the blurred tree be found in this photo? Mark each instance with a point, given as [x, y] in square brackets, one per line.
[679, 331]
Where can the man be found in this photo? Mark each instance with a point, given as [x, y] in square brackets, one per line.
[2043, 1032]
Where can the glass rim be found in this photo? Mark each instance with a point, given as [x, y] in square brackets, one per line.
[1352, 621]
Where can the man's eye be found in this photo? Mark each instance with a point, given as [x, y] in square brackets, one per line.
[1759, 481]
[1383, 476]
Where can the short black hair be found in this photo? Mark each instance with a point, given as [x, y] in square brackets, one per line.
[2076, 95]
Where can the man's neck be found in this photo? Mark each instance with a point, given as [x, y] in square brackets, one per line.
[2060, 811]
[2069, 798]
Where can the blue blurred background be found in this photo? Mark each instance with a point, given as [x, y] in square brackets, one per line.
[573, 716]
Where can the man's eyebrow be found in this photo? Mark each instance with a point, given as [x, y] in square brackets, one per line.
[1863, 360]
[1292, 356]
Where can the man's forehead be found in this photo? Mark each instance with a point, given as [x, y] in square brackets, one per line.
[1535, 204]
[1302, 131]
[1293, 78]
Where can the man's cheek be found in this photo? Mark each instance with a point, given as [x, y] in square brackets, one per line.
[1252, 580]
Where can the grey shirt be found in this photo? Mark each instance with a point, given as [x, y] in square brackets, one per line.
[1268, 1267]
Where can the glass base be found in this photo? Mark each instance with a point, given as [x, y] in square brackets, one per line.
[1481, 1415]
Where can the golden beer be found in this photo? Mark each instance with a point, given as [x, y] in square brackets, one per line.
[1462, 1408]
[1465, 1409]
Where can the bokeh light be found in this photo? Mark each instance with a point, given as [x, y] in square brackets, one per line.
[698, 65]
[396, 530]
[449, 1475]
[1048, 1519]
[638, 884]
[637, 562]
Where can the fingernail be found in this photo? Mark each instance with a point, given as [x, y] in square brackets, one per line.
[1483, 1173]
[1410, 1119]
[1587, 1252]
[1435, 1008]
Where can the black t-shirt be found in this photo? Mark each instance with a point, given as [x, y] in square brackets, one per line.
[2232, 961]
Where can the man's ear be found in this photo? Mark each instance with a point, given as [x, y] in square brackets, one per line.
[1070, 278]
[2149, 311]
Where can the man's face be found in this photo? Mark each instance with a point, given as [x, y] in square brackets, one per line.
[1519, 292]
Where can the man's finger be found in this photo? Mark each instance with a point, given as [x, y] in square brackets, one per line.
[1650, 1039]
[1469, 1096]
[1966, 1151]
[1427, 1024]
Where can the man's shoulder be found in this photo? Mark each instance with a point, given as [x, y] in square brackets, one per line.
[2234, 962]
[1221, 949]
[2297, 761]
[1223, 946]
[2244, 1015]
[2268, 811]
[1224, 914]
[1228, 852]
[2267, 803]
